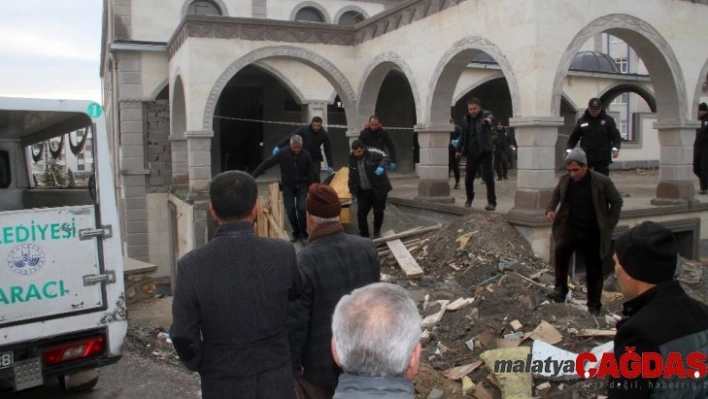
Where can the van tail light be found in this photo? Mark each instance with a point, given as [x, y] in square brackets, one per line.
[73, 351]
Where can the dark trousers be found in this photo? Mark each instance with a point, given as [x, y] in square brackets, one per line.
[600, 167]
[294, 200]
[316, 168]
[453, 165]
[586, 244]
[308, 390]
[700, 168]
[501, 164]
[277, 383]
[474, 163]
[366, 199]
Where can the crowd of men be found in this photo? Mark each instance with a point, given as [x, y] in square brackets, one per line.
[256, 318]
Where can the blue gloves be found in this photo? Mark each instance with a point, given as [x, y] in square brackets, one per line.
[392, 167]
[330, 170]
[379, 171]
[276, 150]
[454, 143]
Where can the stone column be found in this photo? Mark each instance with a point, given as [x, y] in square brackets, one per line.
[434, 185]
[675, 163]
[199, 161]
[180, 170]
[133, 176]
[536, 177]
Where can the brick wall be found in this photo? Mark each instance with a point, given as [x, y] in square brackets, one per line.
[157, 114]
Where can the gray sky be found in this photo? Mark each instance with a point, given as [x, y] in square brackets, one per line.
[51, 49]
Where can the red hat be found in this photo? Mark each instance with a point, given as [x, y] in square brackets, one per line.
[323, 201]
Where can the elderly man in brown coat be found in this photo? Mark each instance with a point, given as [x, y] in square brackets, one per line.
[231, 301]
[584, 208]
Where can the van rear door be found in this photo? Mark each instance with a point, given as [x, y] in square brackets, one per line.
[53, 264]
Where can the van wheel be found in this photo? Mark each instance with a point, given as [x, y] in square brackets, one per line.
[79, 382]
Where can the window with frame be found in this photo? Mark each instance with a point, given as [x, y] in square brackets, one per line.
[309, 14]
[622, 64]
[623, 129]
[350, 18]
[202, 7]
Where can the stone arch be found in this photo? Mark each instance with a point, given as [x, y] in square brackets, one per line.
[347, 9]
[652, 48]
[702, 80]
[178, 108]
[315, 61]
[160, 87]
[283, 80]
[311, 4]
[475, 85]
[373, 78]
[219, 3]
[613, 90]
[450, 68]
[570, 102]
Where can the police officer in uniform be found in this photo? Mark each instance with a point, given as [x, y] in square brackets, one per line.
[598, 136]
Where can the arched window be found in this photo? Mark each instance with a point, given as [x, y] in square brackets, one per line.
[309, 14]
[202, 7]
[351, 18]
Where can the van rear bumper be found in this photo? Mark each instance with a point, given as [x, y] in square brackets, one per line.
[28, 350]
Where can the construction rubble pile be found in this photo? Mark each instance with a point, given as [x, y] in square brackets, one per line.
[482, 292]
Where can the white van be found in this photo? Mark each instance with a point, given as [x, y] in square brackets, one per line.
[62, 301]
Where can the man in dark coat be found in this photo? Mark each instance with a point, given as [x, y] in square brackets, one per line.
[231, 301]
[369, 185]
[476, 143]
[700, 149]
[295, 176]
[660, 318]
[584, 208]
[375, 136]
[314, 137]
[504, 145]
[332, 264]
[598, 136]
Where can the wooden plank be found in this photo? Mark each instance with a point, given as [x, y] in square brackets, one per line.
[278, 232]
[411, 233]
[597, 333]
[404, 258]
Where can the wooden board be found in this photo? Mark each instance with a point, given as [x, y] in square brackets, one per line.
[404, 258]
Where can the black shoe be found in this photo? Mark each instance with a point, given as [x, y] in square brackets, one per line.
[594, 310]
[468, 204]
[499, 179]
[506, 178]
[365, 235]
[377, 234]
[558, 294]
[703, 192]
[305, 237]
[295, 238]
[457, 186]
[490, 207]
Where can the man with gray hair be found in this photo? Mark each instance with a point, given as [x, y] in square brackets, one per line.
[332, 265]
[376, 341]
[584, 209]
[295, 178]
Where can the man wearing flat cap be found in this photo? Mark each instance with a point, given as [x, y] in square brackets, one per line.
[584, 208]
[700, 149]
[659, 316]
[598, 136]
[333, 264]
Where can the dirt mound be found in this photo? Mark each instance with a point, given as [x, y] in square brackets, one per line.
[481, 256]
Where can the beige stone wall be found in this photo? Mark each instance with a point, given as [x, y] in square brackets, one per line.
[159, 232]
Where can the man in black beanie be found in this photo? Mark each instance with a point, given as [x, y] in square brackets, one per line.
[584, 208]
[659, 316]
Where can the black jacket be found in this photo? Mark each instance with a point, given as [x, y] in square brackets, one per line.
[332, 266]
[663, 319]
[230, 311]
[701, 143]
[295, 169]
[483, 132]
[503, 140]
[597, 136]
[380, 140]
[312, 142]
[373, 158]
